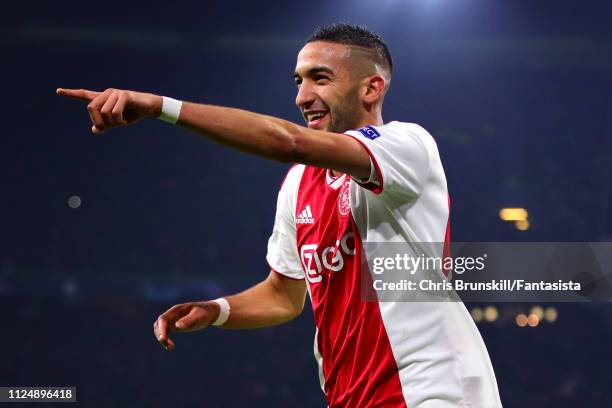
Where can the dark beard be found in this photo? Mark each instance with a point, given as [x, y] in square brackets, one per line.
[344, 121]
[346, 114]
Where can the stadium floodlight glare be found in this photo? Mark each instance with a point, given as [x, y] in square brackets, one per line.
[513, 214]
[538, 311]
[533, 320]
[491, 313]
[477, 314]
[74, 202]
[522, 225]
[521, 320]
[551, 314]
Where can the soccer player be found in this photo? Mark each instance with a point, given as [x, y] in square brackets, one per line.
[356, 180]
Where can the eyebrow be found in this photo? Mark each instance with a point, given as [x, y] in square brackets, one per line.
[315, 70]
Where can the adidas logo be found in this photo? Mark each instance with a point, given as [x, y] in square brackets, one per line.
[305, 216]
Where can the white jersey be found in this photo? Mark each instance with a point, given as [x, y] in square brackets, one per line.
[379, 354]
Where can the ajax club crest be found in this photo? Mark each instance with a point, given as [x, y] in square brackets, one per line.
[344, 205]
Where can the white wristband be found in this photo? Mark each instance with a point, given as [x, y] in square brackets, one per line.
[224, 311]
[171, 109]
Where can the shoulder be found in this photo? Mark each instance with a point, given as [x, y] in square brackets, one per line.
[410, 134]
[406, 129]
[393, 130]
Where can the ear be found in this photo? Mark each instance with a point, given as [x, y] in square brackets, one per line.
[374, 89]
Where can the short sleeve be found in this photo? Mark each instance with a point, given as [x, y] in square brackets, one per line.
[282, 253]
[400, 156]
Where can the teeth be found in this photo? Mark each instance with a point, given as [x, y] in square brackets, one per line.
[314, 116]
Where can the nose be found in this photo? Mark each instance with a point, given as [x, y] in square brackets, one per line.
[305, 96]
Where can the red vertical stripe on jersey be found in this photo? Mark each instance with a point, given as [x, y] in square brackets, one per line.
[358, 364]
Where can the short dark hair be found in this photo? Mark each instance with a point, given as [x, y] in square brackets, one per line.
[351, 34]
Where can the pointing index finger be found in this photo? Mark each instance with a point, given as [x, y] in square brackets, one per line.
[80, 94]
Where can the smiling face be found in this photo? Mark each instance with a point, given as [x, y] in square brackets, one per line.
[329, 87]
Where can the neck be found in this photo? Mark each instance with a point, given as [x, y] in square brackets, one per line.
[373, 119]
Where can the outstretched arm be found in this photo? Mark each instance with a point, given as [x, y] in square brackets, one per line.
[262, 135]
[276, 300]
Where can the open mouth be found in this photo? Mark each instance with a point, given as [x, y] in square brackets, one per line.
[315, 118]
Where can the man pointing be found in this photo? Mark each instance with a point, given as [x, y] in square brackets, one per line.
[356, 179]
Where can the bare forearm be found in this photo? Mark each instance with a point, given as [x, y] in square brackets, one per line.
[275, 138]
[266, 304]
[250, 132]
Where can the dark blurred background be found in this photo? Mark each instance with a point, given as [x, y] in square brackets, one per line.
[100, 234]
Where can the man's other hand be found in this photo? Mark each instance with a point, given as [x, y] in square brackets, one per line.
[183, 318]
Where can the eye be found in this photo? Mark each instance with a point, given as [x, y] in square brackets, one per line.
[321, 78]
[298, 81]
